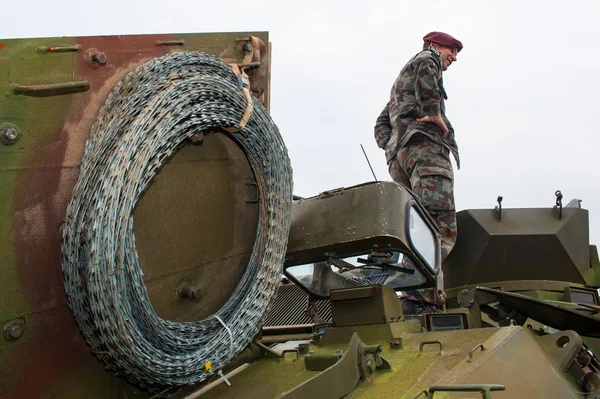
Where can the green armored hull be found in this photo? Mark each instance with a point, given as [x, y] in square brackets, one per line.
[151, 247]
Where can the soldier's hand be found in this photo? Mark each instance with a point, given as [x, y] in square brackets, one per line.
[437, 119]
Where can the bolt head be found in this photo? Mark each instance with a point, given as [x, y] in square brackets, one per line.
[471, 300]
[584, 359]
[460, 302]
[99, 58]
[194, 293]
[10, 135]
[14, 332]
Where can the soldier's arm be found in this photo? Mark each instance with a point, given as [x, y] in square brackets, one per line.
[383, 128]
[427, 91]
[429, 95]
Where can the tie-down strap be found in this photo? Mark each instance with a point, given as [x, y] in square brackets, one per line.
[244, 83]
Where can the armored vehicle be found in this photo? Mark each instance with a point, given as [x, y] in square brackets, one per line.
[152, 247]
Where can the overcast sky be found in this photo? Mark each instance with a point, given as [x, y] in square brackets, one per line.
[523, 96]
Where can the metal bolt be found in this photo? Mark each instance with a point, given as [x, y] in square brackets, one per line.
[95, 58]
[194, 293]
[187, 291]
[303, 348]
[14, 332]
[10, 135]
[460, 302]
[464, 292]
[395, 343]
[472, 300]
[99, 58]
[584, 358]
[591, 382]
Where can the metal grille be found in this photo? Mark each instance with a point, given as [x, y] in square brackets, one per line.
[146, 118]
[289, 306]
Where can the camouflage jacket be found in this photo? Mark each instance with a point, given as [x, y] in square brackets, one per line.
[418, 91]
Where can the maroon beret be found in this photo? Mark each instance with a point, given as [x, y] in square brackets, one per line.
[443, 39]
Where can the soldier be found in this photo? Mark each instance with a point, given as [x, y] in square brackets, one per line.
[418, 138]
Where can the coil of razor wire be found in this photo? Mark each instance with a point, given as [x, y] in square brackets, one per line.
[145, 120]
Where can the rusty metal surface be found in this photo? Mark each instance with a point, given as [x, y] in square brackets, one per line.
[37, 175]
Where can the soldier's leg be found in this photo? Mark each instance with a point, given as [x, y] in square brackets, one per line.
[397, 173]
[431, 179]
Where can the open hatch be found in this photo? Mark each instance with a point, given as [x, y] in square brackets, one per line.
[374, 233]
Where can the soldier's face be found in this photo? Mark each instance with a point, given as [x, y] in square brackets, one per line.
[448, 56]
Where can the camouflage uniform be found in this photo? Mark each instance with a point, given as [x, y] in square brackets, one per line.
[416, 153]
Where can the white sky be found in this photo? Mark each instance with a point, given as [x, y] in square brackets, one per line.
[523, 96]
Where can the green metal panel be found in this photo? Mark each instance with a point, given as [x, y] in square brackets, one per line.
[526, 244]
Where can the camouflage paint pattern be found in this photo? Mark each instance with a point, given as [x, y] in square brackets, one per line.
[424, 166]
[37, 175]
[417, 92]
[512, 357]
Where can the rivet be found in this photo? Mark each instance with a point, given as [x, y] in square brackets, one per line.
[9, 134]
[14, 331]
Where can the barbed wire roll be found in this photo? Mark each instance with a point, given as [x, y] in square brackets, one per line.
[144, 121]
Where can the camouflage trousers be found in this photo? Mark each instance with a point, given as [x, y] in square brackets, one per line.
[424, 166]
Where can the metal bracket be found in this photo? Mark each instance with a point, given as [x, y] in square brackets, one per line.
[370, 359]
[295, 350]
[595, 309]
[51, 89]
[484, 389]
[574, 203]
[434, 342]
[58, 49]
[257, 197]
[498, 209]
[344, 373]
[466, 298]
[558, 208]
[472, 351]
[266, 351]
[395, 343]
[312, 310]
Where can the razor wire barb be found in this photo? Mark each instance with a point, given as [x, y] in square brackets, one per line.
[144, 121]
